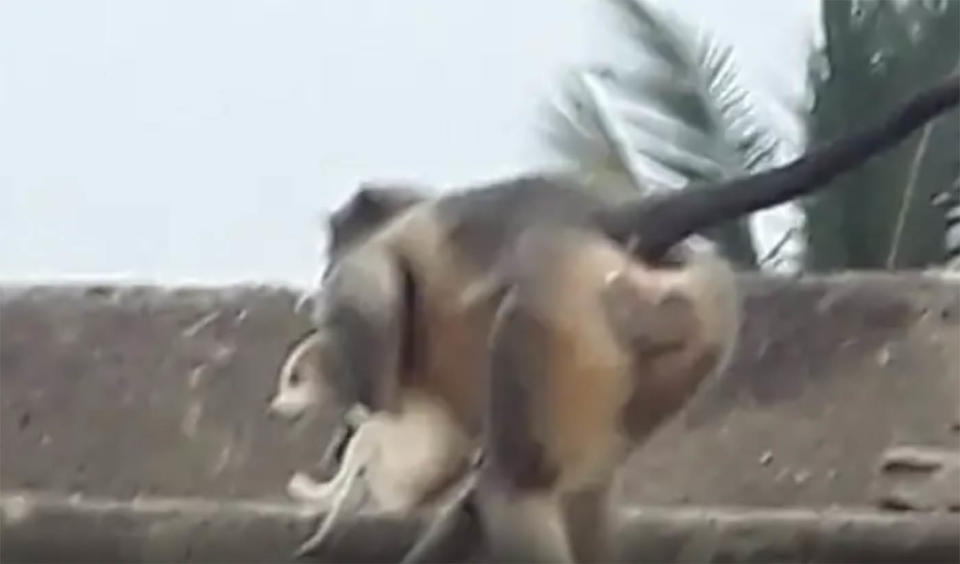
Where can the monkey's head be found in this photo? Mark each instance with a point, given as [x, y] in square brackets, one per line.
[371, 207]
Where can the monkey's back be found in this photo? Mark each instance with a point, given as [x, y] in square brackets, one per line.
[452, 245]
[603, 385]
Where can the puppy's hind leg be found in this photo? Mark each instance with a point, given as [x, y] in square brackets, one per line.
[356, 455]
[333, 496]
[331, 519]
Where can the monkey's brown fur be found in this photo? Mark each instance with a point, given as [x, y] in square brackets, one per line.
[590, 351]
[525, 315]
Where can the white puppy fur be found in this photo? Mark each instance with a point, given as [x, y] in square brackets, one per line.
[396, 460]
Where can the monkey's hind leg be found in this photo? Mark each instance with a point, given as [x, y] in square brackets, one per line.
[587, 516]
[523, 527]
[517, 498]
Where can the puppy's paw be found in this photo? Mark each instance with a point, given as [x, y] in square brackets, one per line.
[356, 416]
[304, 488]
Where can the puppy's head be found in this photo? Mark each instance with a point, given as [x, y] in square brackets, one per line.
[304, 383]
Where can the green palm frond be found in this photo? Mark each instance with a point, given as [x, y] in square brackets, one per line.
[680, 116]
[874, 55]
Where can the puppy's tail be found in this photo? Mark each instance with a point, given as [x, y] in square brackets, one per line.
[661, 221]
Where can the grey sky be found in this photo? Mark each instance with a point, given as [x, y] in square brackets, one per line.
[199, 140]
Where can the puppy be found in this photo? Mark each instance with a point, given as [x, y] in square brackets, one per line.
[406, 453]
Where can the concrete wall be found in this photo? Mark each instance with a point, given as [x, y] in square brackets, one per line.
[123, 392]
[120, 392]
[46, 529]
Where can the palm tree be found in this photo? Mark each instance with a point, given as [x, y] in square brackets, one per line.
[875, 54]
[679, 116]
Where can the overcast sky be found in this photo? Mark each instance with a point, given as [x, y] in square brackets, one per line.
[199, 140]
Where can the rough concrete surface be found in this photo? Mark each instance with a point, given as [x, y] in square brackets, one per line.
[830, 372]
[125, 391]
[132, 393]
[47, 529]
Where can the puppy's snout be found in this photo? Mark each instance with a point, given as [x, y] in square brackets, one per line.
[281, 407]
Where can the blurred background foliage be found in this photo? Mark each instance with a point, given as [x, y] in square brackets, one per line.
[680, 115]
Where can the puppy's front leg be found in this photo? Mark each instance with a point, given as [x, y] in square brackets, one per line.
[340, 438]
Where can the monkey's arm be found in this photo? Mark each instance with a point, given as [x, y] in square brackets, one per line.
[365, 307]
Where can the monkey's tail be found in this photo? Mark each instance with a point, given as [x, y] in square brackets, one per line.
[662, 221]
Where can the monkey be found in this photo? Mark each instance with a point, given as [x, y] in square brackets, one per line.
[529, 316]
